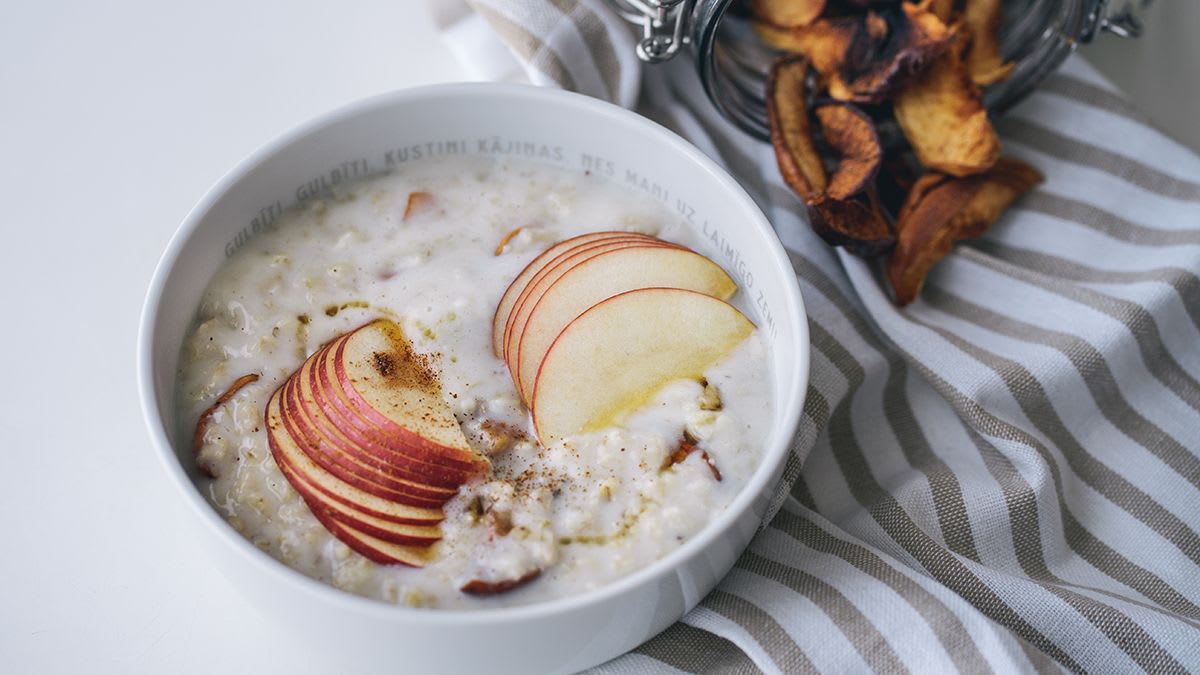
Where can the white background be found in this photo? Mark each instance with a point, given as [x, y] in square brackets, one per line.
[115, 117]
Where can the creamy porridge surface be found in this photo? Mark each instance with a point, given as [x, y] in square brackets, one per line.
[586, 510]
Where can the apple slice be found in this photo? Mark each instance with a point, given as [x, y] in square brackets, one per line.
[336, 454]
[294, 462]
[363, 433]
[603, 276]
[419, 461]
[369, 448]
[615, 356]
[396, 533]
[371, 548]
[500, 319]
[395, 389]
[547, 277]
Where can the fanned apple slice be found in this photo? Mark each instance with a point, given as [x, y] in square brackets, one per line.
[292, 460]
[500, 319]
[602, 277]
[546, 278]
[399, 450]
[371, 548]
[396, 533]
[396, 389]
[329, 411]
[535, 285]
[362, 431]
[328, 451]
[614, 357]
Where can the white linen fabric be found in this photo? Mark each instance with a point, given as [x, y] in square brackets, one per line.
[1003, 476]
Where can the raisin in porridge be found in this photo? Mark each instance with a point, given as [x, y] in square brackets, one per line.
[360, 379]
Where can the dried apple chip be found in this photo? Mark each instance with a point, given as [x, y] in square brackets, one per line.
[865, 57]
[851, 134]
[857, 225]
[943, 9]
[791, 133]
[782, 39]
[944, 120]
[787, 13]
[981, 18]
[941, 210]
[824, 43]
[891, 48]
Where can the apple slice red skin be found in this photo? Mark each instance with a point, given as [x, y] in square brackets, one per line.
[355, 544]
[346, 536]
[334, 399]
[368, 424]
[286, 465]
[403, 446]
[518, 284]
[534, 396]
[525, 386]
[519, 316]
[532, 267]
[519, 281]
[420, 555]
[314, 501]
[579, 247]
[321, 493]
[395, 435]
[340, 457]
[372, 446]
[329, 452]
[569, 257]
[350, 457]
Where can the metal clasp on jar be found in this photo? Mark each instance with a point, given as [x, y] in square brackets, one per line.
[662, 23]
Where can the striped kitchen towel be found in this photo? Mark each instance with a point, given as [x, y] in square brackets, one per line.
[1003, 476]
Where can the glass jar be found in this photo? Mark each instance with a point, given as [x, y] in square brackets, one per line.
[732, 62]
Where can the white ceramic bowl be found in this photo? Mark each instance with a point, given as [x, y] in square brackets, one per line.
[559, 636]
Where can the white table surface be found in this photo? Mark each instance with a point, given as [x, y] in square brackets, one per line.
[115, 117]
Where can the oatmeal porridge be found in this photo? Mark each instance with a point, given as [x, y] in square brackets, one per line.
[582, 393]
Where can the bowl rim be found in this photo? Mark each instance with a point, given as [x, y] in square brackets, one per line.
[788, 411]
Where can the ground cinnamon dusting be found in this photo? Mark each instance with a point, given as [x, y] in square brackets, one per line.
[406, 368]
[202, 423]
[383, 364]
